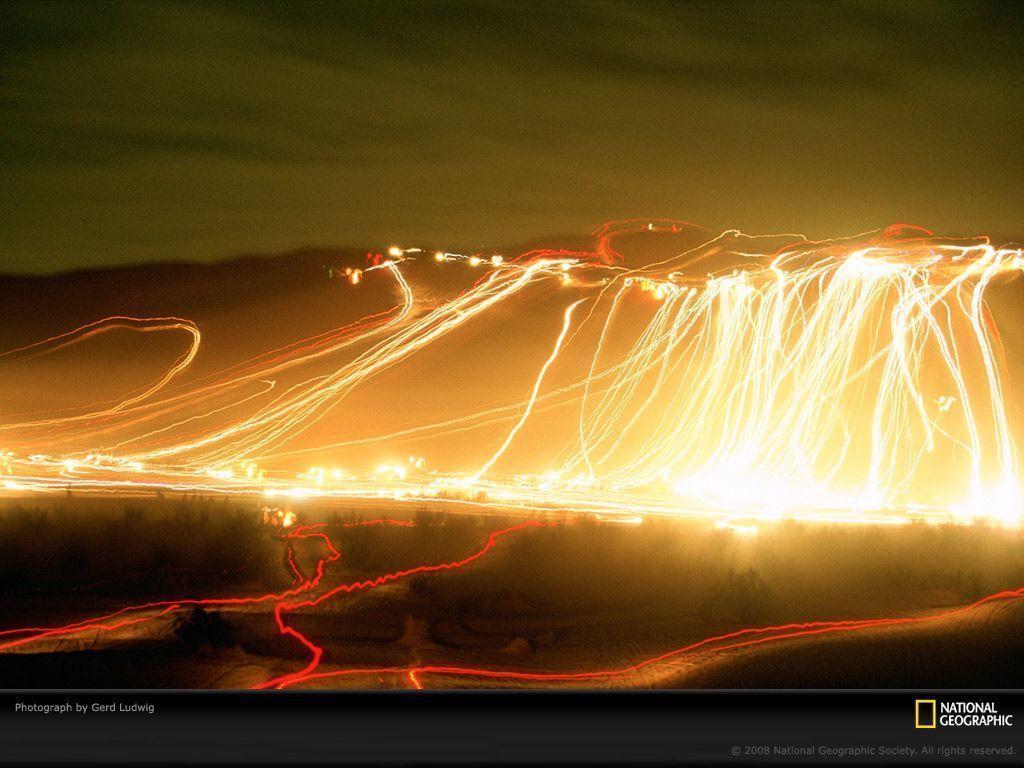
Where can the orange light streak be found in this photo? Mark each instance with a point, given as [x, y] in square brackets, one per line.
[857, 379]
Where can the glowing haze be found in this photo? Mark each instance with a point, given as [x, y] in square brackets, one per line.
[739, 377]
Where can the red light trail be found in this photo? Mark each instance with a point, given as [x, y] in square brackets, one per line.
[284, 604]
[858, 380]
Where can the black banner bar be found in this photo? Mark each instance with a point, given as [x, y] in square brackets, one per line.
[513, 727]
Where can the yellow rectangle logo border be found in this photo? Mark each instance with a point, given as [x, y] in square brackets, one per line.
[917, 713]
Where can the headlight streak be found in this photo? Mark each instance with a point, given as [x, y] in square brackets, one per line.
[792, 385]
[141, 324]
[566, 320]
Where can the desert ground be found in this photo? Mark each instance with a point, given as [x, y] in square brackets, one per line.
[558, 599]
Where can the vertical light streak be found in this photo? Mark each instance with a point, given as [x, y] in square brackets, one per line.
[566, 323]
[822, 379]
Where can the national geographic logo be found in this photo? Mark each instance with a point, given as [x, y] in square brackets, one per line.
[931, 713]
[924, 713]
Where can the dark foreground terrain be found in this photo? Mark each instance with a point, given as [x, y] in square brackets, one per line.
[571, 596]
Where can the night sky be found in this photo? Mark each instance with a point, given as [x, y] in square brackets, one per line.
[144, 132]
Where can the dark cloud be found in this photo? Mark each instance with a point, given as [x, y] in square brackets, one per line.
[142, 131]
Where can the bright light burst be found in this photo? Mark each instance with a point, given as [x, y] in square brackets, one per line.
[851, 380]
